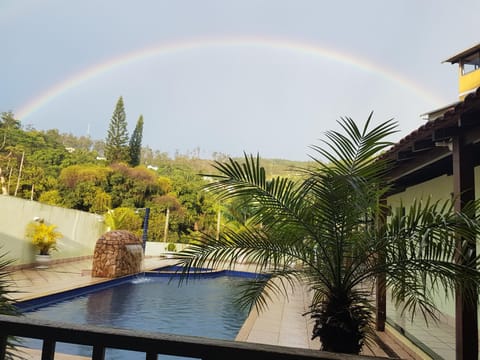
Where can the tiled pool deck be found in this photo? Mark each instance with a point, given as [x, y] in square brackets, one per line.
[281, 324]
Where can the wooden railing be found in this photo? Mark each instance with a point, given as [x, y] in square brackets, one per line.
[151, 344]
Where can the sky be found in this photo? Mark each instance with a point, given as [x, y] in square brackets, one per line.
[230, 76]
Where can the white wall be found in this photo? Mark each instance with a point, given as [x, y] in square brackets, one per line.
[80, 229]
[159, 248]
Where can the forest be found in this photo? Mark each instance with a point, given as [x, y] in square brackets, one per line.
[118, 177]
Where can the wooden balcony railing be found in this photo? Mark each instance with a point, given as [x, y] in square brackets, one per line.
[151, 344]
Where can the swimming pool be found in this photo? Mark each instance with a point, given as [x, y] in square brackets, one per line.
[205, 306]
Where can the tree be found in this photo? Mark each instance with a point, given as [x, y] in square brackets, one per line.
[131, 187]
[8, 120]
[11, 133]
[324, 231]
[135, 146]
[83, 187]
[116, 143]
[51, 197]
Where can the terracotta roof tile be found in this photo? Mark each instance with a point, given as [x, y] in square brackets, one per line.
[450, 117]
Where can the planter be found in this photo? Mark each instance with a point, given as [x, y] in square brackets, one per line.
[42, 261]
[169, 254]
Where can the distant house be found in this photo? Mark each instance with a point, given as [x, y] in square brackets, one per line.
[441, 160]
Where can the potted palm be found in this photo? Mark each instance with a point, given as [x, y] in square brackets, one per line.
[44, 237]
[326, 231]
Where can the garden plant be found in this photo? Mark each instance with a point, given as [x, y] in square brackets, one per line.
[331, 232]
[43, 236]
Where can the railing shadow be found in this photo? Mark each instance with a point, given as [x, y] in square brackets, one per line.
[151, 344]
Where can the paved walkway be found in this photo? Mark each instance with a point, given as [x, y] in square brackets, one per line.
[438, 336]
[281, 324]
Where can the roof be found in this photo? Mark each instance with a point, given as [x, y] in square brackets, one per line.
[433, 114]
[449, 118]
[456, 58]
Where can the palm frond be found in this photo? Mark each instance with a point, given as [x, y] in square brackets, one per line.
[422, 254]
[353, 153]
[7, 305]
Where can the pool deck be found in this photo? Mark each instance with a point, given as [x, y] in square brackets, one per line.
[281, 323]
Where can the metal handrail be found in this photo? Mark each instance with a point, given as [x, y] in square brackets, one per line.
[151, 344]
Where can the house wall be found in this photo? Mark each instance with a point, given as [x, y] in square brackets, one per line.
[436, 189]
[80, 229]
[468, 82]
[440, 188]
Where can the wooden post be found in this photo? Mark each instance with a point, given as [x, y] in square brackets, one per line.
[98, 352]
[151, 356]
[466, 327]
[381, 284]
[3, 346]
[48, 349]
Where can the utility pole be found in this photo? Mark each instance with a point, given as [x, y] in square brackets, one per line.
[165, 233]
[219, 218]
[19, 174]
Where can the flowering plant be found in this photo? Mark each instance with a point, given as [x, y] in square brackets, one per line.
[44, 237]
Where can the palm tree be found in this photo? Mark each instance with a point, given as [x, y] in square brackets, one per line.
[7, 304]
[326, 231]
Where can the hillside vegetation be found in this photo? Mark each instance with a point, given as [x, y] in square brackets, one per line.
[69, 171]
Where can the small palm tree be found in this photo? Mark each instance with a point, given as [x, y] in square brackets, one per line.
[122, 219]
[324, 231]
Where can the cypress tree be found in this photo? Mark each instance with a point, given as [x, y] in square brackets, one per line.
[116, 144]
[135, 147]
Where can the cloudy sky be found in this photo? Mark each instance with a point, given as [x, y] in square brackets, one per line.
[230, 76]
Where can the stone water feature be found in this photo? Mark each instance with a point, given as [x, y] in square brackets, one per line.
[117, 253]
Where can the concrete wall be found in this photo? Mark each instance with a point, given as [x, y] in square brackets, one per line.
[153, 248]
[80, 229]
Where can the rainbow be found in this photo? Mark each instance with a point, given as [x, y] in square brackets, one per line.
[306, 49]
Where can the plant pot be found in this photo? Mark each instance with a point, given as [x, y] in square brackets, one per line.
[169, 254]
[42, 261]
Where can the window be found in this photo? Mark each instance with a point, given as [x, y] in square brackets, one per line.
[471, 63]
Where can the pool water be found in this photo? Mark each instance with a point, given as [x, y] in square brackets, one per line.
[203, 307]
